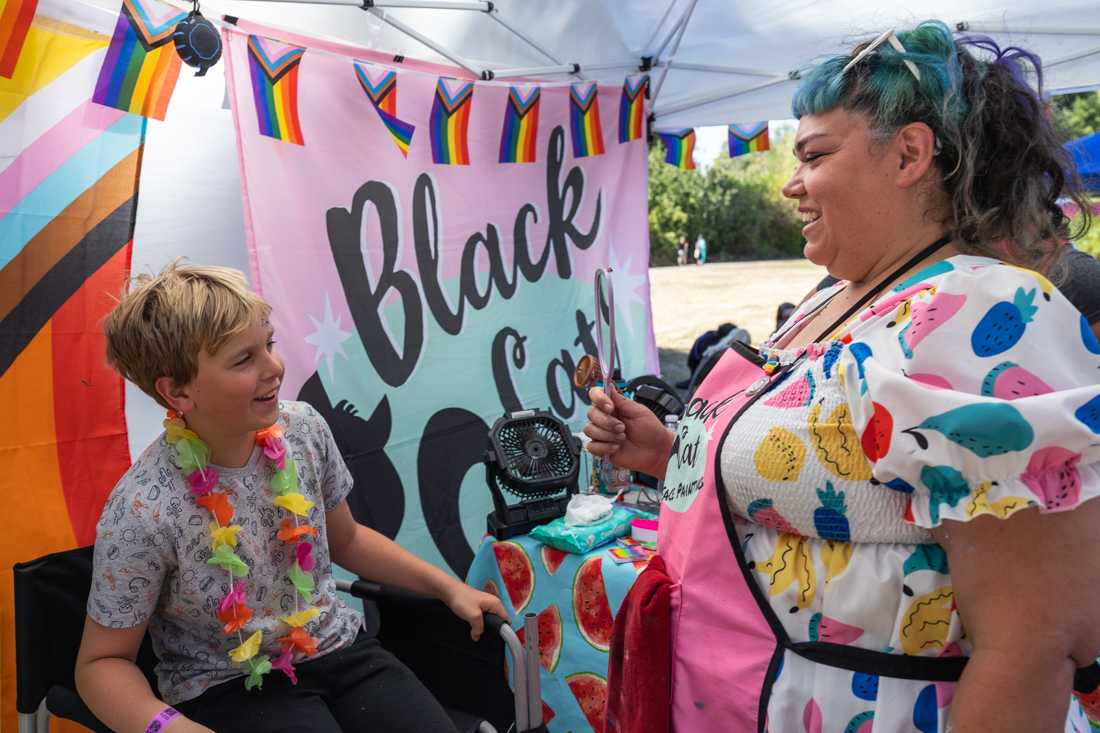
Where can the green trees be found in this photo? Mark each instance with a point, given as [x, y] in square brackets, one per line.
[735, 204]
[1077, 115]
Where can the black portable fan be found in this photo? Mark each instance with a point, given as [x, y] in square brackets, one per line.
[533, 457]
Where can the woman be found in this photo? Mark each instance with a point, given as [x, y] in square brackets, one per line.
[882, 518]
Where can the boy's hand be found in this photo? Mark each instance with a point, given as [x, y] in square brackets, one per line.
[469, 605]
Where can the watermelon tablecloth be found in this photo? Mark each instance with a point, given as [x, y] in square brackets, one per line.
[576, 598]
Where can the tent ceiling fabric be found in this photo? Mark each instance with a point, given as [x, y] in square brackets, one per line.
[763, 42]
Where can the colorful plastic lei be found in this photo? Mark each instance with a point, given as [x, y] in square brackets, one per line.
[193, 458]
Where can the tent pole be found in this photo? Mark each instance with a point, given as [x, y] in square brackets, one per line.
[424, 40]
[478, 5]
[1072, 57]
[720, 69]
[680, 23]
[705, 99]
[494, 14]
[675, 47]
[531, 71]
[966, 27]
[657, 28]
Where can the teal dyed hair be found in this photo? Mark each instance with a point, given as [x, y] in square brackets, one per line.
[1002, 164]
[884, 90]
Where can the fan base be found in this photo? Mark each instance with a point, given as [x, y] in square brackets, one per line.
[523, 517]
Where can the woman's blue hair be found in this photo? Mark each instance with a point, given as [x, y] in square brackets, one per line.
[1002, 162]
[881, 85]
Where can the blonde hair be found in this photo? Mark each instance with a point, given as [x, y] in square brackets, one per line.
[162, 322]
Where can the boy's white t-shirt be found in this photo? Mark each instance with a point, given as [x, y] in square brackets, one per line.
[153, 541]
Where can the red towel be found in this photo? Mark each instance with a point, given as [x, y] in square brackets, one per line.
[639, 678]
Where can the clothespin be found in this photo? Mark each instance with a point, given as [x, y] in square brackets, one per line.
[887, 36]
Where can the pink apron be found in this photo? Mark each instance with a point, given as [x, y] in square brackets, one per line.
[727, 643]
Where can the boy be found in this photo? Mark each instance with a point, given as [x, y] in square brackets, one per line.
[220, 538]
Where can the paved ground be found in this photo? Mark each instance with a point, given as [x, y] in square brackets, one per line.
[689, 300]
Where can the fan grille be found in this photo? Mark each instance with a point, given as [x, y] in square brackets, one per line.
[534, 454]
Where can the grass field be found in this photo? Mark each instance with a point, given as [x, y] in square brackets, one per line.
[689, 300]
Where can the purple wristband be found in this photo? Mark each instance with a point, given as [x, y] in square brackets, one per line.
[161, 719]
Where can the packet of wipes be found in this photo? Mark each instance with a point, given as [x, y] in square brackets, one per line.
[580, 538]
[587, 509]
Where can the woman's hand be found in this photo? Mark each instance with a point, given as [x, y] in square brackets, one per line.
[627, 434]
[470, 604]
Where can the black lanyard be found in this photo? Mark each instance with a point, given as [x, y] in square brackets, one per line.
[875, 291]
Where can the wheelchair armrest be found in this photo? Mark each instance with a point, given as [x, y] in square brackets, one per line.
[371, 591]
[495, 626]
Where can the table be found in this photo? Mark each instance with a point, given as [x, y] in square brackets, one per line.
[576, 598]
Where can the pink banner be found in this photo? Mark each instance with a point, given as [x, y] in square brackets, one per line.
[428, 243]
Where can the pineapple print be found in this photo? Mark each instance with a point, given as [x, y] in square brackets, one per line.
[830, 519]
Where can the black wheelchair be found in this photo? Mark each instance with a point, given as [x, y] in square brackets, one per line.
[467, 677]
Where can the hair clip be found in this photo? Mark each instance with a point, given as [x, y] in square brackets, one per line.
[884, 37]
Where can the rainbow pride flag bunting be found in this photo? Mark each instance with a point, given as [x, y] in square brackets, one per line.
[584, 119]
[521, 125]
[15, 21]
[450, 121]
[679, 145]
[141, 67]
[274, 68]
[632, 107]
[748, 138]
[380, 86]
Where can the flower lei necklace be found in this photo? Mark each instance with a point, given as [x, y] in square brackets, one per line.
[193, 458]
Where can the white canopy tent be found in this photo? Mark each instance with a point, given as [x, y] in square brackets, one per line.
[712, 62]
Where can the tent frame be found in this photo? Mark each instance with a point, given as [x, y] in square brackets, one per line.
[654, 61]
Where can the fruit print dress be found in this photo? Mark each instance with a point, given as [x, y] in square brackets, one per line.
[971, 388]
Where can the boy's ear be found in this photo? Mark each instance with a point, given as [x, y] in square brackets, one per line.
[177, 396]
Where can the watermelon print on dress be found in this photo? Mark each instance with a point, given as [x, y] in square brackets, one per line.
[823, 628]
[1053, 477]
[799, 393]
[927, 317]
[1010, 381]
[764, 513]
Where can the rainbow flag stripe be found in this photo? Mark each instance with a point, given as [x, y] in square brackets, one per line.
[450, 122]
[68, 195]
[521, 125]
[679, 146]
[15, 21]
[748, 138]
[141, 67]
[381, 89]
[274, 68]
[584, 119]
[632, 107]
